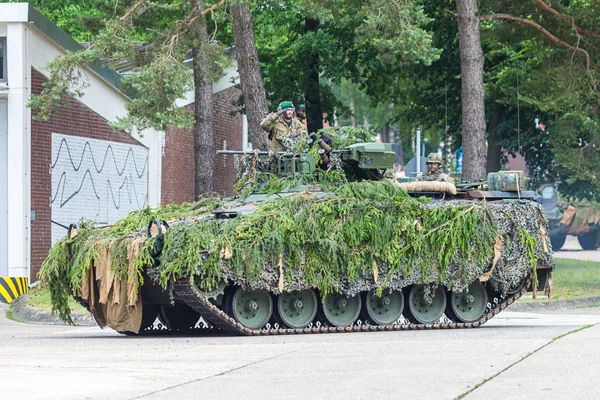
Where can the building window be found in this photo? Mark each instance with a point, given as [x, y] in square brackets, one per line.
[2, 59]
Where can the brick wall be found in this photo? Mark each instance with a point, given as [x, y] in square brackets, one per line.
[74, 119]
[178, 159]
[227, 136]
[178, 166]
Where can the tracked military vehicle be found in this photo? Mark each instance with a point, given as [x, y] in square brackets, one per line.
[580, 219]
[317, 241]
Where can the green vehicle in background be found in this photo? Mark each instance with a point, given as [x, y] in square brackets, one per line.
[577, 218]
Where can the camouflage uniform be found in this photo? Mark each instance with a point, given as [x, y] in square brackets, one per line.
[438, 175]
[284, 136]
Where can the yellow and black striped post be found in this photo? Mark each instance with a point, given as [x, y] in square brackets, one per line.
[12, 287]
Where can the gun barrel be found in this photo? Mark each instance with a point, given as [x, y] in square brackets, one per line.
[324, 145]
[249, 152]
[323, 156]
[342, 151]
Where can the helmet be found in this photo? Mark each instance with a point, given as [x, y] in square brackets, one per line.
[434, 158]
[285, 105]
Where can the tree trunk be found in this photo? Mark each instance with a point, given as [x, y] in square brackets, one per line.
[314, 110]
[400, 153]
[204, 146]
[473, 110]
[253, 90]
[385, 133]
[494, 150]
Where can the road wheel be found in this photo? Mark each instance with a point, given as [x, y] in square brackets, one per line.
[558, 241]
[467, 306]
[251, 308]
[517, 287]
[384, 310]
[589, 240]
[296, 309]
[424, 310]
[339, 310]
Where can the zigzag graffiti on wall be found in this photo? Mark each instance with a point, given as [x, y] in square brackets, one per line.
[83, 187]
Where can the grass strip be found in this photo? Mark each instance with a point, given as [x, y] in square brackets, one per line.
[40, 299]
[575, 279]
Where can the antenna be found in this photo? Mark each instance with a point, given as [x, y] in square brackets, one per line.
[518, 117]
[446, 98]
[447, 149]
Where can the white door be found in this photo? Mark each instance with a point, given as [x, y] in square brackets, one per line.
[3, 188]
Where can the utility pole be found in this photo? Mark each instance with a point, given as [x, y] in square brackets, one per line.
[418, 151]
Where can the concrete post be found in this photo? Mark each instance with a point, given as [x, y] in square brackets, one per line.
[418, 151]
[18, 151]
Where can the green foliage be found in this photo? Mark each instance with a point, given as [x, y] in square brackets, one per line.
[269, 183]
[264, 182]
[387, 23]
[159, 74]
[576, 145]
[140, 219]
[343, 137]
[55, 273]
[351, 38]
[347, 135]
[328, 180]
[78, 19]
[65, 269]
[337, 236]
[529, 244]
[156, 86]
[360, 109]
[326, 239]
[547, 82]
[67, 79]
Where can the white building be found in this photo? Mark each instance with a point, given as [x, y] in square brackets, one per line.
[73, 166]
[81, 134]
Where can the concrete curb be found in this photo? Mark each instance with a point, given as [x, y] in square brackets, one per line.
[21, 312]
[555, 305]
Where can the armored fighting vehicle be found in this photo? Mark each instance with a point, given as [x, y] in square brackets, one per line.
[317, 241]
[577, 218]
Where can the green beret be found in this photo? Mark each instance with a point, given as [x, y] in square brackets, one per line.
[286, 104]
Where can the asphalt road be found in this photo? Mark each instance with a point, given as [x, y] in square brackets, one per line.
[572, 249]
[517, 355]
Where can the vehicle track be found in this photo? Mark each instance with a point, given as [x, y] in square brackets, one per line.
[217, 318]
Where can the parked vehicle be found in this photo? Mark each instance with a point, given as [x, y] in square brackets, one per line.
[577, 219]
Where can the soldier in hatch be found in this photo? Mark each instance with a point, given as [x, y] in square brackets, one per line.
[285, 131]
[434, 170]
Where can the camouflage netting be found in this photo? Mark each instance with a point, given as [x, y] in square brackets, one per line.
[368, 235]
[515, 223]
[253, 162]
[585, 218]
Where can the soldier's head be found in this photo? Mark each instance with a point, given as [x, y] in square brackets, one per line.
[434, 162]
[287, 110]
[301, 112]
